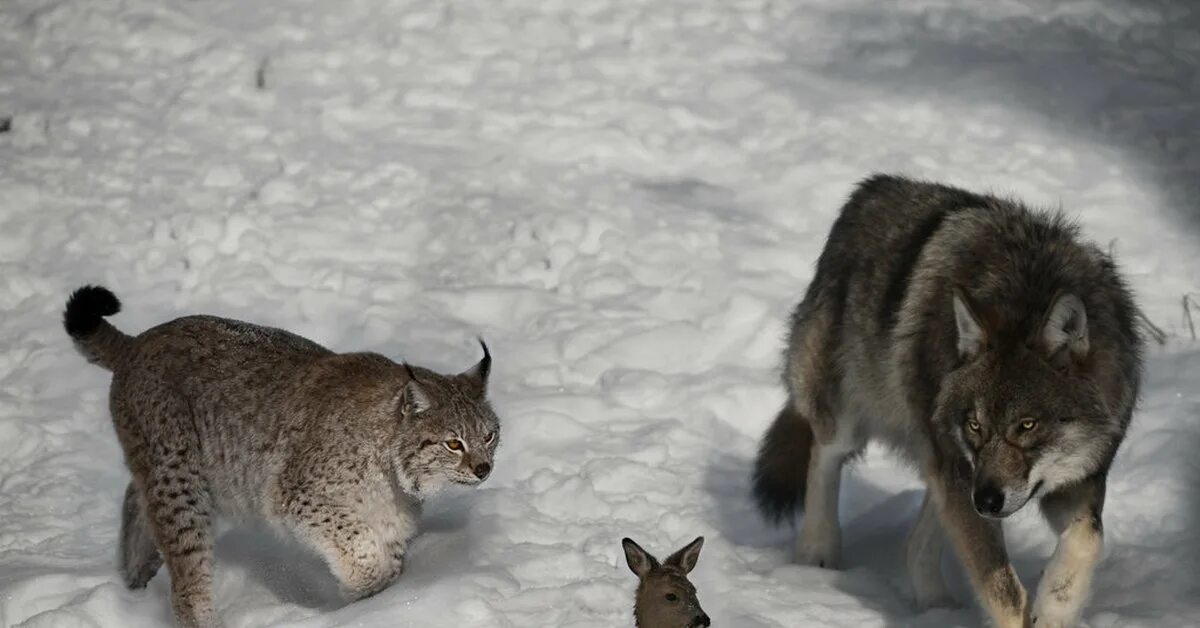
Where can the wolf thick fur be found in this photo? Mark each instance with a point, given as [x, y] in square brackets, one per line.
[988, 345]
[220, 417]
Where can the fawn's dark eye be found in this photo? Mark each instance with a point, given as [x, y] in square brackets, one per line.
[454, 444]
[671, 597]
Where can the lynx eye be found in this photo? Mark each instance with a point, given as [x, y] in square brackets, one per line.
[453, 444]
[1028, 424]
[671, 597]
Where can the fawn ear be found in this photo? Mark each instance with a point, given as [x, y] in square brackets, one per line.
[478, 374]
[640, 561]
[687, 556]
[1066, 326]
[971, 335]
[413, 397]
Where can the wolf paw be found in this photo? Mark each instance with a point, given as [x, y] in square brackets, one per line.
[936, 600]
[820, 556]
[1049, 621]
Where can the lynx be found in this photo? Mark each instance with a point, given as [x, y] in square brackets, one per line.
[218, 417]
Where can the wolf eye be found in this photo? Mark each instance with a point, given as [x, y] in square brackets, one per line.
[1028, 424]
[453, 444]
[487, 440]
[972, 424]
[671, 597]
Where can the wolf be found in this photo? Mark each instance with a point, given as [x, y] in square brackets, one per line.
[218, 417]
[665, 596]
[991, 347]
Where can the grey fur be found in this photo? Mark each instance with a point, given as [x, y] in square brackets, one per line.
[989, 346]
[218, 417]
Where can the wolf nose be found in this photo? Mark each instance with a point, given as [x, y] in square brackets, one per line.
[701, 620]
[482, 470]
[988, 500]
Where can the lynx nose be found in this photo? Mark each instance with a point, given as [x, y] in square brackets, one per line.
[988, 500]
[701, 620]
[482, 470]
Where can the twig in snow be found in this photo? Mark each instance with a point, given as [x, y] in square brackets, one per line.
[1188, 302]
[260, 75]
[1156, 332]
[5, 124]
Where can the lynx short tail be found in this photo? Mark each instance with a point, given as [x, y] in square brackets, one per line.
[96, 339]
[781, 470]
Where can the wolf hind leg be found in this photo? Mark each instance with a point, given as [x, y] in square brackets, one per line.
[138, 557]
[820, 540]
[923, 557]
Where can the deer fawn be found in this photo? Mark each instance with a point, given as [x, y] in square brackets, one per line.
[665, 597]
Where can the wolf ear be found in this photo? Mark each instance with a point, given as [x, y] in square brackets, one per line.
[478, 374]
[1066, 326]
[413, 398]
[971, 335]
[640, 561]
[686, 557]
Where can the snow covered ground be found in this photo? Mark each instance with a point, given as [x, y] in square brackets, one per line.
[624, 197]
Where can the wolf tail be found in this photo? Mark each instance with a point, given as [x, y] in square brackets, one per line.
[781, 470]
[94, 337]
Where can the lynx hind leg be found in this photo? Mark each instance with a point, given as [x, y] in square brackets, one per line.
[179, 511]
[363, 561]
[138, 557]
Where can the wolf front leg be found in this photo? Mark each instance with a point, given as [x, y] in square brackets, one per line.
[980, 546]
[1074, 513]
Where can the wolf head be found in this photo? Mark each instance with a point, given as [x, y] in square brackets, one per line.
[449, 432]
[665, 597]
[1021, 408]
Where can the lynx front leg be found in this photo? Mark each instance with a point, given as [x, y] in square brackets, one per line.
[1074, 513]
[980, 547]
[363, 561]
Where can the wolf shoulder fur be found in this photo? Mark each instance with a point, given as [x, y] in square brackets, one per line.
[991, 347]
[218, 417]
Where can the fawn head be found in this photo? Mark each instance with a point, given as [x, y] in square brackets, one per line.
[665, 597]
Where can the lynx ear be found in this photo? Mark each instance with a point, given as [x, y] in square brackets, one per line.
[478, 374]
[639, 560]
[686, 557]
[971, 335]
[1066, 326]
[413, 398]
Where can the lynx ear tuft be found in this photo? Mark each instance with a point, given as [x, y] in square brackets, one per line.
[478, 374]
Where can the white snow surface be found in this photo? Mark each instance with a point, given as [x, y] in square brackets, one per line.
[624, 198]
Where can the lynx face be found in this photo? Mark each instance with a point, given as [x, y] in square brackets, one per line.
[452, 429]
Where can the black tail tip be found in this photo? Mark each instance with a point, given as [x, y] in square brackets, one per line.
[87, 307]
